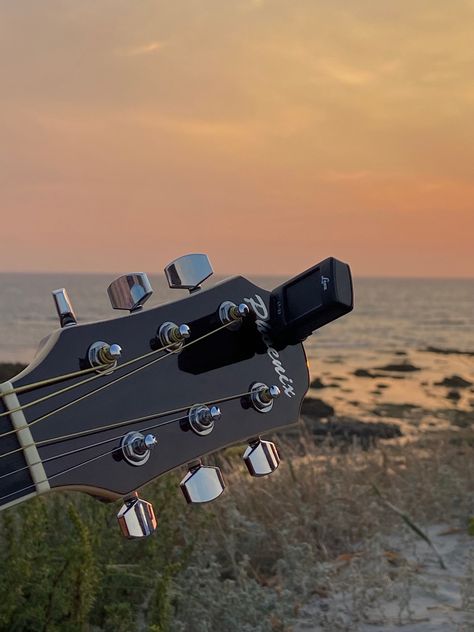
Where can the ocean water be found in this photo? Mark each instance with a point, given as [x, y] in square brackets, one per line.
[389, 314]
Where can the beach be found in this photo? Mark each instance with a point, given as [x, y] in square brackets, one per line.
[365, 525]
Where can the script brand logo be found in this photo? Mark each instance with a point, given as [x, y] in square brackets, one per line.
[260, 309]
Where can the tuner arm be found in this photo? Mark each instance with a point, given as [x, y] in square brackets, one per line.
[310, 300]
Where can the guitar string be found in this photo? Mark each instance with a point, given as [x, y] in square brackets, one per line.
[100, 369]
[74, 401]
[119, 424]
[95, 458]
[92, 445]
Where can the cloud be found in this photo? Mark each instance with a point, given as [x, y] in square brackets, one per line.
[145, 49]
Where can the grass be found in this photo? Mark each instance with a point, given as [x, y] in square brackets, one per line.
[253, 560]
[273, 544]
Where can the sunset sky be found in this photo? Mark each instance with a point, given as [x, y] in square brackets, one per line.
[266, 133]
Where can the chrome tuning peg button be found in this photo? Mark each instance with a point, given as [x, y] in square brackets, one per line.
[188, 272]
[261, 458]
[136, 518]
[202, 484]
[66, 314]
[262, 396]
[130, 291]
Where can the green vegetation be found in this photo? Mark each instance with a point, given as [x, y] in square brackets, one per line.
[248, 562]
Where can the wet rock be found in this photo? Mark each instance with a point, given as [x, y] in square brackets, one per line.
[346, 430]
[372, 375]
[404, 367]
[314, 407]
[363, 373]
[398, 411]
[455, 381]
[454, 395]
[447, 351]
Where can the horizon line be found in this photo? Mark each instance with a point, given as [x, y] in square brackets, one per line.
[231, 274]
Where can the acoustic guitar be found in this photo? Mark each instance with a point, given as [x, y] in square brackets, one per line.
[105, 407]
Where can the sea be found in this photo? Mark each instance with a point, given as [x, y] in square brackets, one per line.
[389, 314]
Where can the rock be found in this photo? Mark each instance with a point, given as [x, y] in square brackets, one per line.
[366, 373]
[455, 381]
[447, 351]
[398, 411]
[405, 367]
[381, 385]
[346, 429]
[454, 395]
[363, 373]
[317, 383]
[314, 407]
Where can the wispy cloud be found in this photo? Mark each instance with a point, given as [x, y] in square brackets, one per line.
[143, 49]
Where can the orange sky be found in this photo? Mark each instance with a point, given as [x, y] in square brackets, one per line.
[267, 133]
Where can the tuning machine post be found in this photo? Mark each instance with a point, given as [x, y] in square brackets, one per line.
[136, 517]
[130, 291]
[173, 336]
[263, 396]
[232, 314]
[103, 355]
[188, 272]
[201, 418]
[202, 483]
[261, 457]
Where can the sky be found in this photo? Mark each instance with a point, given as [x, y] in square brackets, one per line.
[268, 134]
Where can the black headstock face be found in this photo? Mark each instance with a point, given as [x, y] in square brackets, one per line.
[215, 366]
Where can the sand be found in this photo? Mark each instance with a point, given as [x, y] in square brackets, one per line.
[396, 583]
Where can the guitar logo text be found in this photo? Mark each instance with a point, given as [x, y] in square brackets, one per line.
[260, 309]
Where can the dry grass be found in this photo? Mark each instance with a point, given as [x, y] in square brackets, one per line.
[316, 527]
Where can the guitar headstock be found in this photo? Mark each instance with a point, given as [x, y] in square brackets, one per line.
[106, 407]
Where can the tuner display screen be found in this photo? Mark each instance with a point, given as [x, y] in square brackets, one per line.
[303, 296]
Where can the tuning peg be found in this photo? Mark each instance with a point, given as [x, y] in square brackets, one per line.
[66, 314]
[188, 272]
[130, 291]
[261, 458]
[262, 396]
[136, 518]
[202, 484]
